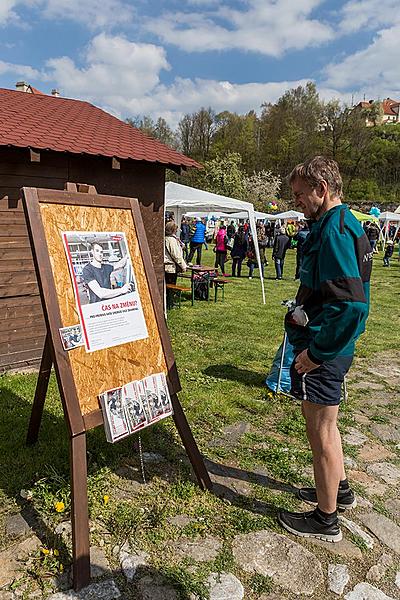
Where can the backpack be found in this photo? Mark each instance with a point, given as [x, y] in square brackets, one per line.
[201, 285]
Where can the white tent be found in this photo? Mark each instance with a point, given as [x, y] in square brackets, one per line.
[259, 216]
[291, 215]
[385, 218]
[208, 215]
[181, 198]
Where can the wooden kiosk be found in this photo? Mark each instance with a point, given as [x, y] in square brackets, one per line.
[82, 375]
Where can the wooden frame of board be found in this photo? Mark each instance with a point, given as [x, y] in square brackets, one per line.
[48, 213]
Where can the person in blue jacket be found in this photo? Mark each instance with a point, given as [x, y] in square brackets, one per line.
[332, 306]
[197, 241]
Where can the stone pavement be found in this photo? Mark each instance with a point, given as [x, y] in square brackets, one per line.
[365, 565]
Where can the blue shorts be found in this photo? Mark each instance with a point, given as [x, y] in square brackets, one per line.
[323, 385]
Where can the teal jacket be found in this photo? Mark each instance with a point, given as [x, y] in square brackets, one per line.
[334, 287]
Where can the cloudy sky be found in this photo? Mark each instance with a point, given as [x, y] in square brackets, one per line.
[166, 58]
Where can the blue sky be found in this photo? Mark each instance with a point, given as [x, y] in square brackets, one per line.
[169, 58]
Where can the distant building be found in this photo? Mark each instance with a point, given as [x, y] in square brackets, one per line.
[388, 111]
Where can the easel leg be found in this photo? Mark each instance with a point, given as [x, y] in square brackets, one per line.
[190, 445]
[79, 512]
[40, 393]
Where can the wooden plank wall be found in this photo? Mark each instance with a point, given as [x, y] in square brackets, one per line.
[22, 328]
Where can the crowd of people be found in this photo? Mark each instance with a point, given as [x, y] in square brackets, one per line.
[234, 245]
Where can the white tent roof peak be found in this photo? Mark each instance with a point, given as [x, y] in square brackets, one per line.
[182, 199]
[389, 216]
[192, 199]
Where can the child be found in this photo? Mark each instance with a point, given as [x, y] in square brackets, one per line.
[388, 253]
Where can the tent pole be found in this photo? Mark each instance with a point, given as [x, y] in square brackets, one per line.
[257, 250]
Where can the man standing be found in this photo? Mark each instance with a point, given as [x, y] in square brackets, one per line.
[281, 244]
[197, 241]
[300, 238]
[332, 308]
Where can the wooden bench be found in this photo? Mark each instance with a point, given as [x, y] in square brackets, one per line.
[177, 289]
[219, 284]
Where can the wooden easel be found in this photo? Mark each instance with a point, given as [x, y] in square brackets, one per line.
[54, 354]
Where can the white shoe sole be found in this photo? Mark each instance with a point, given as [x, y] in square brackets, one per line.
[340, 506]
[319, 536]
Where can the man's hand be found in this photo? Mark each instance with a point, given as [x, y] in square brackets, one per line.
[303, 364]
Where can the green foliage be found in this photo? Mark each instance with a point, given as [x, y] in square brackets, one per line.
[240, 150]
[260, 584]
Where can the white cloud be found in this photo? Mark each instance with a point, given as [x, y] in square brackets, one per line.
[373, 70]
[368, 14]
[19, 70]
[268, 27]
[7, 13]
[94, 14]
[115, 68]
[124, 78]
[187, 95]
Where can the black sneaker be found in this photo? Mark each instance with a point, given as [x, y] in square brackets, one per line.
[345, 498]
[306, 524]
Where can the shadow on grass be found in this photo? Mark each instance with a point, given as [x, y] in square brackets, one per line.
[235, 373]
[226, 489]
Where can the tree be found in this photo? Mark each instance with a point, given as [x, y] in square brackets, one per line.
[221, 175]
[195, 133]
[238, 133]
[260, 188]
[160, 130]
[290, 130]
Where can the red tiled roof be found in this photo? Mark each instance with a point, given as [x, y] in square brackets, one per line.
[45, 122]
[388, 106]
[36, 91]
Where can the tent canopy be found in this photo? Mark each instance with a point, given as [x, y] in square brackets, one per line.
[244, 215]
[181, 198]
[192, 199]
[389, 216]
[362, 216]
[293, 215]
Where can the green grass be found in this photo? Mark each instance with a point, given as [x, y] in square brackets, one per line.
[223, 352]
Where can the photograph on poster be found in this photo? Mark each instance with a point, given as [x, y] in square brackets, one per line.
[115, 421]
[136, 405]
[71, 337]
[105, 288]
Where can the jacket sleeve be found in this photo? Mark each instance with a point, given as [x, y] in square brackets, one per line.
[175, 252]
[345, 305]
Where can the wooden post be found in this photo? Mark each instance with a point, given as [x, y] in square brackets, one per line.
[79, 512]
[40, 393]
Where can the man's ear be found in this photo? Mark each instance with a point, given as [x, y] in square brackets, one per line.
[323, 188]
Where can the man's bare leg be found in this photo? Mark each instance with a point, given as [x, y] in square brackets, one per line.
[326, 446]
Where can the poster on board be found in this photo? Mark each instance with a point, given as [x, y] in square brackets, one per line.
[105, 288]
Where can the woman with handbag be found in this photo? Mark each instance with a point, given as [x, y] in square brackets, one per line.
[221, 249]
[174, 262]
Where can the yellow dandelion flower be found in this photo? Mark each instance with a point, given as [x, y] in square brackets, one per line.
[106, 499]
[44, 551]
[59, 506]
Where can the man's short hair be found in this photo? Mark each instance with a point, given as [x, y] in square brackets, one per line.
[93, 244]
[318, 169]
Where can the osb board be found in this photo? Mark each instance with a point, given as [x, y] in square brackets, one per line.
[96, 372]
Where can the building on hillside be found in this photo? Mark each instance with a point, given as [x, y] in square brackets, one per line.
[388, 111]
[46, 141]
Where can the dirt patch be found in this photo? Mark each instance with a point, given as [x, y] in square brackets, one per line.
[386, 365]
